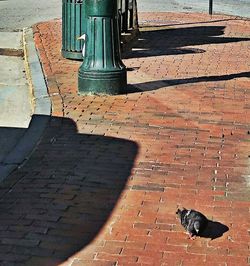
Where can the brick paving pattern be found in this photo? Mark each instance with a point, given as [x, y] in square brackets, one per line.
[103, 185]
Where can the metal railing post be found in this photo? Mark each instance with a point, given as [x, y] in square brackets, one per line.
[210, 7]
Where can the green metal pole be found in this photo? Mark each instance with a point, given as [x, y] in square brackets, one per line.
[102, 70]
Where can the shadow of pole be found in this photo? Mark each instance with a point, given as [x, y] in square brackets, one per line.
[65, 193]
[158, 84]
[174, 41]
[164, 24]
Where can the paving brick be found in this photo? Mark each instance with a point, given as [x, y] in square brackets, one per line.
[103, 185]
[94, 263]
[54, 246]
[36, 251]
[118, 258]
[42, 261]
[11, 257]
[20, 242]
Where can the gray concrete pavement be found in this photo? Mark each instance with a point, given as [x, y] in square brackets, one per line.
[11, 40]
[15, 95]
[24, 104]
[15, 15]
[21, 121]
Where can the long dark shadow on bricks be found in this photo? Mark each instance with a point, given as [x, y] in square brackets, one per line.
[174, 41]
[157, 84]
[59, 200]
[180, 23]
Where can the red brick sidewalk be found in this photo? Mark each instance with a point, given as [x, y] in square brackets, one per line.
[111, 171]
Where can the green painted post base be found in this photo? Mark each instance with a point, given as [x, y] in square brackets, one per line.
[102, 82]
[102, 70]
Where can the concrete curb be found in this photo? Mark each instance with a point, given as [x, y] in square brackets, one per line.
[42, 109]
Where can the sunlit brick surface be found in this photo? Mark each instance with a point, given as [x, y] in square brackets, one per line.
[103, 185]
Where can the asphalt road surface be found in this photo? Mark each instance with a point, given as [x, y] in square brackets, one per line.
[15, 15]
[231, 7]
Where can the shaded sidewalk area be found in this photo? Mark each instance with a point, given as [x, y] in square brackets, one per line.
[103, 185]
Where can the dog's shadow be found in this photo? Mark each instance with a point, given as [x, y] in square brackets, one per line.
[214, 230]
